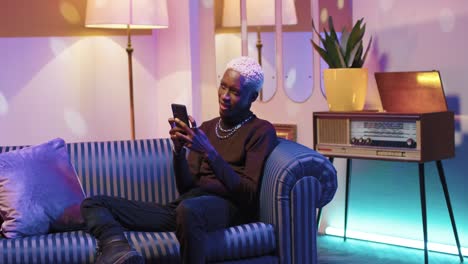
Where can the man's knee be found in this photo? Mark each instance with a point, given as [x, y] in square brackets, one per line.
[96, 212]
[93, 202]
[187, 209]
[190, 211]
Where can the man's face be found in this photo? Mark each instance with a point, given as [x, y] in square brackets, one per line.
[233, 97]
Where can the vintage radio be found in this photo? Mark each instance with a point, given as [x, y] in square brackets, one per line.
[414, 126]
[397, 136]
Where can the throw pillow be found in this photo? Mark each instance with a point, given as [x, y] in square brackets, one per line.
[39, 191]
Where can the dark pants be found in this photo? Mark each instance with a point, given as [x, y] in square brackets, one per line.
[191, 216]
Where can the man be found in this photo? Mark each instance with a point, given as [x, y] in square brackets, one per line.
[218, 180]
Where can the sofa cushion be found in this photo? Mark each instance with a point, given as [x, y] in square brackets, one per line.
[239, 242]
[233, 243]
[39, 190]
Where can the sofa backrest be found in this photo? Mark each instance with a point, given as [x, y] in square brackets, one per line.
[143, 169]
[137, 170]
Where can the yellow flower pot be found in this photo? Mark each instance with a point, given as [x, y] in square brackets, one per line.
[345, 88]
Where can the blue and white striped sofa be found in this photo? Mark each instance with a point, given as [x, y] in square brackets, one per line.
[295, 182]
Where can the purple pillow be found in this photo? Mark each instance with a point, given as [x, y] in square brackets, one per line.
[39, 191]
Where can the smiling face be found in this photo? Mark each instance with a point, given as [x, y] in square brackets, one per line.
[234, 98]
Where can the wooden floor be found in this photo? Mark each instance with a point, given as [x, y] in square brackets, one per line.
[334, 250]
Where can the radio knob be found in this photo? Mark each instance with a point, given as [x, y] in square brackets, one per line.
[368, 141]
[353, 140]
[361, 140]
[410, 142]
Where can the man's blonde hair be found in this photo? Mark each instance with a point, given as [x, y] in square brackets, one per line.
[250, 70]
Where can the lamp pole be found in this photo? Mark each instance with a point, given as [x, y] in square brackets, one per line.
[120, 14]
[259, 48]
[130, 80]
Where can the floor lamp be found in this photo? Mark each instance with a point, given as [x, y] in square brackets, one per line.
[259, 13]
[129, 15]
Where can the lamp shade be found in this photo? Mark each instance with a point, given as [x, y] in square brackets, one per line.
[138, 14]
[259, 13]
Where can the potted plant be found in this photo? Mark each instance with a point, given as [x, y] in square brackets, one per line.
[345, 81]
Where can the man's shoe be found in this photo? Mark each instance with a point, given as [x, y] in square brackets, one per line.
[116, 250]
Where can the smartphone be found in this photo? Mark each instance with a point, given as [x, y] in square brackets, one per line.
[180, 111]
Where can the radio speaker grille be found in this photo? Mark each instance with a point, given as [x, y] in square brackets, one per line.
[332, 131]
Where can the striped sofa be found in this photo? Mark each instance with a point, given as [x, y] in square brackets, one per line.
[295, 182]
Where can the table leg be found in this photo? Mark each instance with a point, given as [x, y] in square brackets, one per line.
[422, 189]
[348, 176]
[449, 206]
[319, 217]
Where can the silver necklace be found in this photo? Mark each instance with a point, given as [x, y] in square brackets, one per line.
[229, 131]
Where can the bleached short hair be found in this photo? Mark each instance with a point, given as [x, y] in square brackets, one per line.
[250, 70]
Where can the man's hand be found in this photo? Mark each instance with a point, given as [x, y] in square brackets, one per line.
[177, 141]
[193, 138]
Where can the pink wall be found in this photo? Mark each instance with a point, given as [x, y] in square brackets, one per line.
[77, 87]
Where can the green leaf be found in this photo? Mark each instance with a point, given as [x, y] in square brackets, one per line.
[332, 29]
[314, 28]
[352, 55]
[340, 56]
[367, 51]
[344, 40]
[326, 41]
[322, 53]
[318, 33]
[333, 53]
[322, 40]
[355, 36]
[357, 63]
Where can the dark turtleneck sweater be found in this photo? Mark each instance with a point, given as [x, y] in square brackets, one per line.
[235, 172]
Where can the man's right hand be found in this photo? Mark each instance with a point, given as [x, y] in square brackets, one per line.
[176, 140]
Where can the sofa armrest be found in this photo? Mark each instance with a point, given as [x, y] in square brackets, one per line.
[296, 181]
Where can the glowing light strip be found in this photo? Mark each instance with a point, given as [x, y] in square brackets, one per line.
[398, 241]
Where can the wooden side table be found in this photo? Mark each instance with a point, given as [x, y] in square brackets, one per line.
[429, 137]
